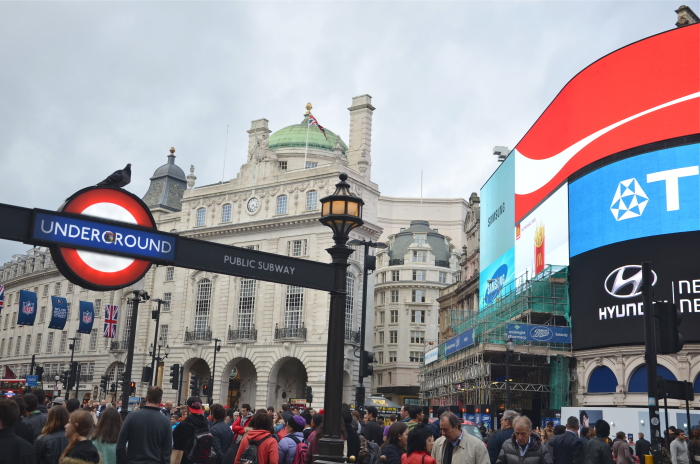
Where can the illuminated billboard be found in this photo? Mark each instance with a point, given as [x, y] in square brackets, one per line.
[493, 279]
[542, 237]
[605, 289]
[496, 224]
[642, 93]
[651, 194]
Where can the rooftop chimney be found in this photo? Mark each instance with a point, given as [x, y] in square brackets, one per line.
[686, 16]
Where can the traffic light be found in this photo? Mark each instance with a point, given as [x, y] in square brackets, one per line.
[39, 373]
[175, 376]
[309, 395]
[146, 374]
[132, 388]
[194, 385]
[205, 389]
[668, 339]
[366, 360]
[370, 262]
[121, 382]
[65, 377]
[103, 382]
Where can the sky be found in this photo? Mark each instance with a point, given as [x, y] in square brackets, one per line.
[86, 87]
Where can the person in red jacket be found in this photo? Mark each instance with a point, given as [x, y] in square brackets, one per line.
[239, 425]
[420, 444]
[268, 453]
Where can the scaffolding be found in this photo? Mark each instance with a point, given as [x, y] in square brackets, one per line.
[540, 371]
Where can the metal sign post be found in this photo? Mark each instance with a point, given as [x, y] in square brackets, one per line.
[650, 358]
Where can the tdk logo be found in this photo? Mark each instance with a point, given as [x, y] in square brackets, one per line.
[630, 200]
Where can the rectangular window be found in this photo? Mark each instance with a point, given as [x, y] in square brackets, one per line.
[417, 336]
[294, 304]
[37, 348]
[382, 297]
[394, 296]
[380, 357]
[57, 288]
[202, 306]
[381, 317]
[201, 217]
[389, 375]
[27, 345]
[394, 276]
[418, 296]
[7, 319]
[46, 290]
[442, 277]
[126, 318]
[381, 338]
[246, 304]
[392, 356]
[379, 379]
[252, 247]
[169, 273]
[71, 287]
[419, 239]
[393, 336]
[226, 213]
[36, 290]
[394, 316]
[167, 298]
[42, 314]
[296, 248]
[93, 340]
[311, 200]
[9, 347]
[282, 165]
[2, 347]
[77, 342]
[164, 328]
[68, 305]
[19, 345]
[98, 309]
[420, 256]
[418, 316]
[281, 204]
[416, 356]
[419, 275]
[311, 164]
[14, 319]
[49, 342]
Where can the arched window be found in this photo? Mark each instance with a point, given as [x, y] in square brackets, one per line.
[282, 204]
[226, 213]
[127, 320]
[602, 380]
[349, 305]
[293, 306]
[638, 381]
[696, 384]
[202, 307]
[201, 216]
[311, 200]
[113, 376]
[246, 304]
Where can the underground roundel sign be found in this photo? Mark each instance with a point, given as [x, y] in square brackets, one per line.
[103, 271]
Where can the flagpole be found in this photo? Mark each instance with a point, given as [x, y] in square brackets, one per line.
[308, 124]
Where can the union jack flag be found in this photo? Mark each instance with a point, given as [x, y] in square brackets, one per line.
[2, 297]
[314, 122]
[111, 320]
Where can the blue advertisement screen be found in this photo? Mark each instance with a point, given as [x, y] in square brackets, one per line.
[497, 232]
[651, 194]
[493, 279]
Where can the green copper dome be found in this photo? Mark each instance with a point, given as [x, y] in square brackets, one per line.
[295, 137]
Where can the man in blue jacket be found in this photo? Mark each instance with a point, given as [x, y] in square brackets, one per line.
[506, 432]
[568, 448]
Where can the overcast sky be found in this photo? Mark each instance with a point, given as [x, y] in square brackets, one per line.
[87, 87]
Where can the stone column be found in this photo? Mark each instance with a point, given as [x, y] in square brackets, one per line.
[360, 146]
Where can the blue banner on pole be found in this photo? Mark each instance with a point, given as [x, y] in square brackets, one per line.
[31, 380]
[459, 342]
[27, 308]
[539, 333]
[59, 313]
[87, 316]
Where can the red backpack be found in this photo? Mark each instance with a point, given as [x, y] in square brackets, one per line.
[301, 452]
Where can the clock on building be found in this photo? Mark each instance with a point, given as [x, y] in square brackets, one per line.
[253, 204]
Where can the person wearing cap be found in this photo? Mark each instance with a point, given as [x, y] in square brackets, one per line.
[295, 434]
[184, 433]
[147, 431]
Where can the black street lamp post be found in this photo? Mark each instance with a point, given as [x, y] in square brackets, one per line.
[73, 370]
[155, 315]
[360, 393]
[138, 295]
[217, 347]
[509, 349]
[342, 212]
[156, 356]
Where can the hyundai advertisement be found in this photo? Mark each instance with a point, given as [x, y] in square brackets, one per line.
[651, 194]
[493, 279]
[605, 289]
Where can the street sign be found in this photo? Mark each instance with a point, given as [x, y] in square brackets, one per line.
[31, 380]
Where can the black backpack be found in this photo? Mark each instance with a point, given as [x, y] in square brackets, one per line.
[201, 448]
[250, 455]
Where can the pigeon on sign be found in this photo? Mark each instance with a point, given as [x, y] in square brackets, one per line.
[118, 178]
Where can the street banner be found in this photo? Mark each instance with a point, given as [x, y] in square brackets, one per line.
[27, 308]
[87, 316]
[459, 342]
[59, 313]
[110, 329]
[539, 333]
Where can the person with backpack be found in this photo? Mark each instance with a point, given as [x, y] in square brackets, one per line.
[420, 444]
[223, 436]
[147, 431]
[292, 449]
[193, 441]
[259, 445]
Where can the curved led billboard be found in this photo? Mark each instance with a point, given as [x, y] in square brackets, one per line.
[642, 93]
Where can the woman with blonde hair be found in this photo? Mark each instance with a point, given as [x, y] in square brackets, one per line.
[80, 449]
[52, 441]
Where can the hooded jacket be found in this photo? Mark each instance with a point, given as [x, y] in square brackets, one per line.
[84, 452]
[536, 452]
[268, 451]
[239, 425]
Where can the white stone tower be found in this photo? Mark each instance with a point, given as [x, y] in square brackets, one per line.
[360, 147]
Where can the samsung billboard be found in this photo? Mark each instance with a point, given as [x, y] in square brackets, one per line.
[497, 214]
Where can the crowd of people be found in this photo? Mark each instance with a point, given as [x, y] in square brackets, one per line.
[34, 430]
